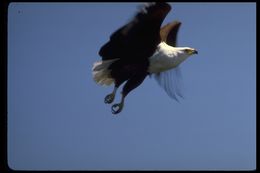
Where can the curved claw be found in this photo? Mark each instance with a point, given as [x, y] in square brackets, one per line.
[109, 98]
[116, 108]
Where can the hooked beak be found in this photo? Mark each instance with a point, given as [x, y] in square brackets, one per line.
[195, 52]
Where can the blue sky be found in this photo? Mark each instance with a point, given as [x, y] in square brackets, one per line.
[57, 118]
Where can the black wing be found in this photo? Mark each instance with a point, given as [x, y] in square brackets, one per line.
[138, 38]
[169, 33]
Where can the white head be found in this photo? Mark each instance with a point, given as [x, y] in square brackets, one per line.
[184, 51]
[179, 54]
[167, 57]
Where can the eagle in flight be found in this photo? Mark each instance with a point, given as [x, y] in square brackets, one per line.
[140, 48]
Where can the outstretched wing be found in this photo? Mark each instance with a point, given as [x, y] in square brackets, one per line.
[138, 38]
[169, 33]
[171, 82]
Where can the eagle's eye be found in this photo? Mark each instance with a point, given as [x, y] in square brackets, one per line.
[188, 51]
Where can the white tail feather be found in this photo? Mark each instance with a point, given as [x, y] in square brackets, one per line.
[101, 73]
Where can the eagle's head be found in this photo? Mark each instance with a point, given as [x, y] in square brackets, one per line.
[180, 54]
[184, 51]
[167, 57]
[190, 51]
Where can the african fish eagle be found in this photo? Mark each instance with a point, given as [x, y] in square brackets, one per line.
[141, 48]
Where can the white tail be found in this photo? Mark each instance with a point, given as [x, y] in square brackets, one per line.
[101, 73]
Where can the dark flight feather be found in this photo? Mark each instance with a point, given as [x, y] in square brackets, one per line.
[139, 38]
[169, 33]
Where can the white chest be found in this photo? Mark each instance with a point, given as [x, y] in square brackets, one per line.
[165, 58]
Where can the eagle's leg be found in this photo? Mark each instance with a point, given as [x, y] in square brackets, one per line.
[116, 108]
[110, 97]
[131, 84]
